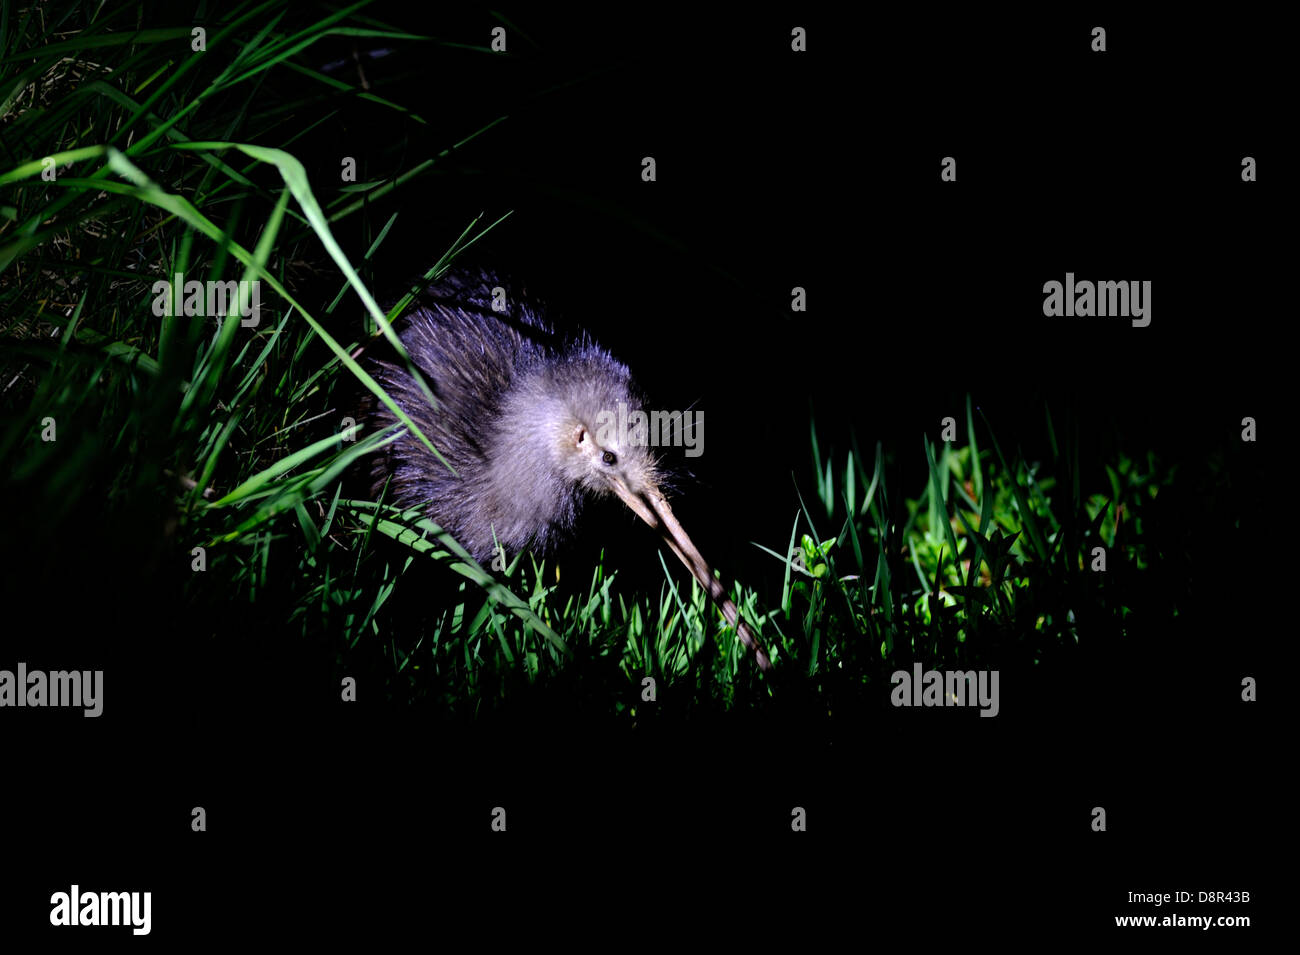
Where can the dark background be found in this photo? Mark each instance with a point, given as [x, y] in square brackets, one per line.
[774, 170]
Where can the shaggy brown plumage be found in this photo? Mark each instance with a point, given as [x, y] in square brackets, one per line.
[518, 418]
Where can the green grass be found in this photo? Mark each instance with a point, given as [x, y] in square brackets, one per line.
[239, 435]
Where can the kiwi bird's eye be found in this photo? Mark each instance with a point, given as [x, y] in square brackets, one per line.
[609, 457]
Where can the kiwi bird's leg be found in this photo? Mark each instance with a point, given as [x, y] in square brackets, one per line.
[652, 507]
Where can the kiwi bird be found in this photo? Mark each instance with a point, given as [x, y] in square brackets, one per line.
[518, 417]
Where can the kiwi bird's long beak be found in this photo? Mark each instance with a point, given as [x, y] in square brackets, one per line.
[652, 507]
